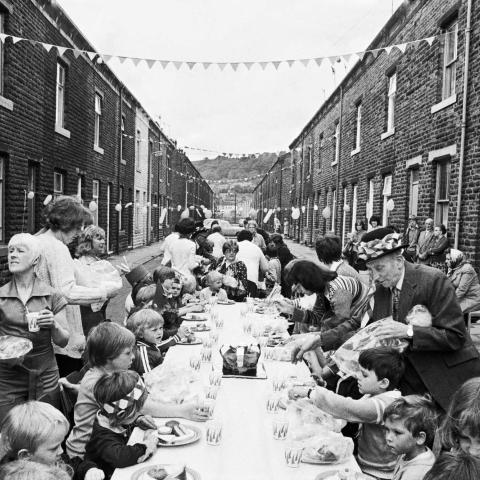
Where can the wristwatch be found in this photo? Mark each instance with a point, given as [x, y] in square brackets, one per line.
[410, 331]
[309, 392]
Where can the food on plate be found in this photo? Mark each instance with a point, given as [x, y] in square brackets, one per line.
[164, 472]
[14, 347]
[196, 316]
[201, 327]
[189, 338]
[157, 473]
[177, 429]
[164, 430]
[328, 448]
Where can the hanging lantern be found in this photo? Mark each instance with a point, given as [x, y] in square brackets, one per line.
[92, 206]
[30, 195]
[346, 207]
[390, 205]
[326, 212]
[47, 200]
[118, 207]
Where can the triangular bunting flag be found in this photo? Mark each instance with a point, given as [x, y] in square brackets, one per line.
[47, 46]
[191, 64]
[221, 66]
[276, 64]
[16, 39]
[360, 55]
[3, 37]
[333, 60]
[178, 65]
[122, 59]
[91, 55]
[402, 47]
[135, 60]
[234, 65]
[206, 65]
[376, 52]
[264, 65]
[290, 62]
[164, 63]
[319, 61]
[61, 51]
[347, 57]
[150, 63]
[430, 40]
[76, 53]
[248, 65]
[106, 58]
[388, 49]
[32, 42]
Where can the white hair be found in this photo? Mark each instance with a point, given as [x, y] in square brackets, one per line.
[28, 241]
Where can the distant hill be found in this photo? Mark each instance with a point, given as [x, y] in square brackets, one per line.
[224, 173]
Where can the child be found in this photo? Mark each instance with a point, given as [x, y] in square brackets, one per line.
[110, 349]
[410, 424]
[147, 326]
[34, 431]
[381, 370]
[461, 427]
[27, 470]
[121, 396]
[455, 466]
[214, 282]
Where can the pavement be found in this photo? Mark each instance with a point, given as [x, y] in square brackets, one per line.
[148, 256]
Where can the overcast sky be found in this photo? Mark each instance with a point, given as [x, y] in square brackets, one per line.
[244, 111]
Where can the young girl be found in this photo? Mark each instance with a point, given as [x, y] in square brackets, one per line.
[214, 281]
[110, 349]
[121, 396]
[461, 427]
[34, 431]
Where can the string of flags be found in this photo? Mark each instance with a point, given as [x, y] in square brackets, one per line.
[234, 65]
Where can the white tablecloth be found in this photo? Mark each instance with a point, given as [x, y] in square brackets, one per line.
[247, 450]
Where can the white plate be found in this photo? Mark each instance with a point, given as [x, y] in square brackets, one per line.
[196, 342]
[142, 473]
[195, 317]
[197, 435]
[330, 473]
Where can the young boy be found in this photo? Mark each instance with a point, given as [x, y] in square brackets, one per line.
[381, 370]
[214, 281]
[410, 424]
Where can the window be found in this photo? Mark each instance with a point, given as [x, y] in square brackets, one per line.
[336, 143]
[60, 105]
[57, 184]
[321, 143]
[334, 210]
[2, 30]
[31, 187]
[442, 192]
[124, 138]
[387, 195]
[2, 198]
[310, 160]
[354, 205]
[356, 132]
[413, 194]
[450, 60]
[391, 95]
[137, 151]
[120, 213]
[95, 198]
[79, 188]
[137, 209]
[370, 197]
[344, 215]
[98, 120]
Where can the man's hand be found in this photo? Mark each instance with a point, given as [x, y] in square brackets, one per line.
[309, 343]
[45, 319]
[392, 330]
[284, 306]
[94, 474]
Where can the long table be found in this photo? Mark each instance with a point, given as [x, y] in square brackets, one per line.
[247, 450]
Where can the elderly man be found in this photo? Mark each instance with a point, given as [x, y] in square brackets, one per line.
[440, 357]
[425, 241]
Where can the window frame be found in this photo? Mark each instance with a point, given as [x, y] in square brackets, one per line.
[357, 129]
[124, 138]
[58, 191]
[3, 21]
[370, 198]
[354, 205]
[443, 204]
[336, 137]
[449, 84]
[413, 185]
[392, 87]
[138, 141]
[387, 195]
[137, 210]
[3, 161]
[96, 199]
[120, 201]
[334, 210]
[344, 214]
[98, 112]
[60, 94]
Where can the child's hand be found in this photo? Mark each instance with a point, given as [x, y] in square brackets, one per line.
[94, 474]
[298, 392]
[150, 439]
[146, 422]
[195, 308]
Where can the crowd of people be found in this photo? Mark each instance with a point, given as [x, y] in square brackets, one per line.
[80, 385]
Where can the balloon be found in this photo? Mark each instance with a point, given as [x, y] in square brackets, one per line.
[265, 210]
[390, 205]
[278, 209]
[208, 214]
[296, 213]
[92, 206]
[315, 207]
[118, 207]
[303, 208]
[30, 195]
[346, 208]
[192, 207]
[326, 212]
[47, 200]
[185, 213]
[179, 207]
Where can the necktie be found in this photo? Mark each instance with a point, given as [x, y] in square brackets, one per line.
[368, 315]
[395, 300]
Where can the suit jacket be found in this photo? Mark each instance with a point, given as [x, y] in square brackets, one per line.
[424, 242]
[443, 355]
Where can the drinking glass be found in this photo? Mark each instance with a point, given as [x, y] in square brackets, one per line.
[279, 383]
[207, 341]
[211, 392]
[215, 378]
[280, 427]
[214, 337]
[218, 322]
[206, 355]
[293, 454]
[195, 362]
[272, 403]
[208, 406]
[214, 432]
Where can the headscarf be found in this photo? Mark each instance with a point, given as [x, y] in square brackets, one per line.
[30, 242]
[457, 258]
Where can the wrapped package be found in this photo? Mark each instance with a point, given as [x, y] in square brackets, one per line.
[419, 316]
[101, 274]
[240, 359]
[346, 357]
[327, 448]
[173, 384]
[303, 412]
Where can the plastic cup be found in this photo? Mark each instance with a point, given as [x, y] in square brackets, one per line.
[279, 383]
[293, 454]
[214, 432]
[280, 427]
[32, 318]
[206, 355]
[215, 378]
[208, 406]
[214, 337]
[211, 392]
[272, 403]
[195, 362]
[207, 342]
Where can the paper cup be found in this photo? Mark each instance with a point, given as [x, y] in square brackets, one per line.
[32, 318]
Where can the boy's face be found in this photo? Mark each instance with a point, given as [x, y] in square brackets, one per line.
[469, 444]
[167, 285]
[123, 361]
[153, 334]
[216, 284]
[50, 451]
[368, 383]
[176, 289]
[399, 439]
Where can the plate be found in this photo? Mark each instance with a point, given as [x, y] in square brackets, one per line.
[14, 347]
[196, 437]
[195, 317]
[142, 473]
[196, 342]
[196, 330]
[358, 475]
[228, 302]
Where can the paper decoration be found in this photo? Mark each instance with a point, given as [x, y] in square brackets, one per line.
[303, 208]
[179, 207]
[326, 212]
[47, 200]
[267, 216]
[390, 205]
[346, 208]
[30, 195]
[192, 207]
[118, 207]
[296, 213]
[185, 213]
[315, 207]
[208, 214]
[128, 205]
[92, 206]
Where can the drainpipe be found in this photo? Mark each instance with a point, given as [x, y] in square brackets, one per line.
[339, 140]
[464, 121]
[119, 165]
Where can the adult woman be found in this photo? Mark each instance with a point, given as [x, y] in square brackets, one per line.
[257, 238]
[233, 269]
[465, 280]
[36, 378]
[329, 252]
[64, 220]
[181, 253]
[218, 240]
[91, 270]
[437, 252]
[375, 222]
[285, 256]
[350, 251]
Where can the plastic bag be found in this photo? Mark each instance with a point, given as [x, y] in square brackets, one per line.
[173, 385]
[419, 316]
[304, 413]
[101, 274]
[328, 448]
[346, 357]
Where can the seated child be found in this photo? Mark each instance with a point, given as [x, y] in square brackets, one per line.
[410, 424]
[121, 396]
[189, 290]
[454, 466]
[35, 431]
[214, 282]
[28, 470]
[147, 326]
[381, 370]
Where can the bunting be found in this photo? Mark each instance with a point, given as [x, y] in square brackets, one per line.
[234, 66]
